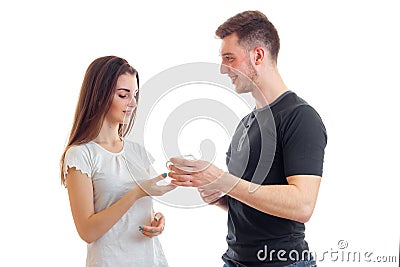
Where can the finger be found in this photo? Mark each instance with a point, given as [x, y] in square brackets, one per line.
[208, 194]
[181, 169]
[190, 165]
[159, 217]
[149, 235]
[212, 198]
[154, 221]
[160, 177]
[201, 189]
[185, 184]
[205, 192]
[180, 177]
[183, 162]
[150, 230]
[159, 227]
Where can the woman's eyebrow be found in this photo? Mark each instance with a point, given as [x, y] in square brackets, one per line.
[124, 89]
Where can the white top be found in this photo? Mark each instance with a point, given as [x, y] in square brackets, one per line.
[113, 175]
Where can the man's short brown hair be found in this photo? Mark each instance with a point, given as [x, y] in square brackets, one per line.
[253, 29]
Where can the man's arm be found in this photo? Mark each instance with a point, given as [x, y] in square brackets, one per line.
[222, 203]
[214, 197]
[295, 201]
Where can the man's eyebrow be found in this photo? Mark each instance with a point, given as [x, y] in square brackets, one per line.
[124, 89]
[227, 54]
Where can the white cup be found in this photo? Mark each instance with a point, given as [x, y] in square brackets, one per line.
[188, 156]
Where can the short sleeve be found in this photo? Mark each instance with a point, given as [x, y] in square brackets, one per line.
[78, 157]
[304, 142]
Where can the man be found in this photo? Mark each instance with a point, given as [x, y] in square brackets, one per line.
[266, 210]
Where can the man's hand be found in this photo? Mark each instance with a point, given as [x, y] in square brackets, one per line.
[210, 196]
[196, 173]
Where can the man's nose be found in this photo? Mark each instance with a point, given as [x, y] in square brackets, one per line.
[223, 69]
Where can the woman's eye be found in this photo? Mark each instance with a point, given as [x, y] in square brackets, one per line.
[123, 96]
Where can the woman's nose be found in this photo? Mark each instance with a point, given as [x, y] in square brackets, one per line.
[133, 102]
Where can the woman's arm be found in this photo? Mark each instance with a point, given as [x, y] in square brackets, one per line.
[91, 225]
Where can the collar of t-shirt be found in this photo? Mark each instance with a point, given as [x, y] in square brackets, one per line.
[255, 110]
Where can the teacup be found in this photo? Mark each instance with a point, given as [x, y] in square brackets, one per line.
[188, 156]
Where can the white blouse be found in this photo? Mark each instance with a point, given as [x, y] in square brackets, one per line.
[113, 175]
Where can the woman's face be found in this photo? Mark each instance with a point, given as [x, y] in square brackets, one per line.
[124, 102]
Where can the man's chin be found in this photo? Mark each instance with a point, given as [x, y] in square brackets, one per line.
[241, 90]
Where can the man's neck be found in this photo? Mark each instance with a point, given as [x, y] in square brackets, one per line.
[269, 89]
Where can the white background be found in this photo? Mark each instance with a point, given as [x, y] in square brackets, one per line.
[341, 56]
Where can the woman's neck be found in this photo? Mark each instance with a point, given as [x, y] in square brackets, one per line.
[108, 135]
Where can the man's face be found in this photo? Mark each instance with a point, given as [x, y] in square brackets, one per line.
[237, 65]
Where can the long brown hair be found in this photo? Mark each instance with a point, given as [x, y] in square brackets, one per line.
[95, 99]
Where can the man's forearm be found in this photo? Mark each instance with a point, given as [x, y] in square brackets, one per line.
[293, 201]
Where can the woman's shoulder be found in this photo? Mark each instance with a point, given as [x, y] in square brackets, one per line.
[135, 148]
[84, 149]
[80, 157]
[132, 145]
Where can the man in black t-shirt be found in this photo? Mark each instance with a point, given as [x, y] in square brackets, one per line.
[275, 158]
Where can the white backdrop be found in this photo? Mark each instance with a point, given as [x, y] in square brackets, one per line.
[341, 56]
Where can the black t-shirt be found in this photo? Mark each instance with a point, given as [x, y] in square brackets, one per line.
[283, 139]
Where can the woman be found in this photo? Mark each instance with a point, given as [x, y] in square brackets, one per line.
[107, 176]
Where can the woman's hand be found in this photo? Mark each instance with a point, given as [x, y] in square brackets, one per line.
[156, 227]
[150, 187]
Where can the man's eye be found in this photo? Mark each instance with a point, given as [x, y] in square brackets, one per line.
[229, 59]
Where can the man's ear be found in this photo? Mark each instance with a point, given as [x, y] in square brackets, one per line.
[259, 55]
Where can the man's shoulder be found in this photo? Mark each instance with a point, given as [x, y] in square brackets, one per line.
[295, 107]
[289, 102]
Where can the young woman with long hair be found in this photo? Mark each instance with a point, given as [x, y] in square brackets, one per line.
[107, 176]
